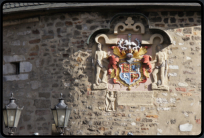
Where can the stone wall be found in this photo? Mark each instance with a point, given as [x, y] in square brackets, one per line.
[46, 48]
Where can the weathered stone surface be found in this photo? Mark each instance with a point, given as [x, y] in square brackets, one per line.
[172, 74]
[44, 94]
[181, 89]
[39, 62]
[68, 23]
[156, 19]
[15, 77]
[183, 84]
[25, 67]
[187, 30]
[40, 103]
[173, 67]
[40, 118]
[59, 24]
[101, 86]
[186, 127]
[42, 112]
[159, 25]
[65, 36]
[44, 37]
[166, 20]
[35, 84]
[196, 38]
[197, 28]
[33, 54]
[9, 68]
[93, 27]
[35, 41]
[26, 118]
[172, 20]
[36, 31]
[14, 58]
[29, 127]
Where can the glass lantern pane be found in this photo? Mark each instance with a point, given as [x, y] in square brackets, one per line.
[18, 114]
[61, 117]
[5, 118]
[68, 111]
[11, 117]
[54, 112]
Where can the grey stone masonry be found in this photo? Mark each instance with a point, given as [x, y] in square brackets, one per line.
[9, 69]
[25, 66]
[15, 77]
[14, 58]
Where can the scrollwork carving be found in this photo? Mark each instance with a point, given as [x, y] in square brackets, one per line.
[129, 25]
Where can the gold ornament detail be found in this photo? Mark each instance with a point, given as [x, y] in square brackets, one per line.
[137, 54]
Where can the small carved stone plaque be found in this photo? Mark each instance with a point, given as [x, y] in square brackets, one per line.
[135, 98]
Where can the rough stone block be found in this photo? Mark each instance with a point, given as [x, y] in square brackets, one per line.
[182, 20]
[173, 25]
[196, 38]
[183, 84]
[181, 89]
[100, 86]
[42, 112]
[35, 48]
[44, 94]
[68, 23]
[26, 117]
[14, 58]
[197, 28]
[153, 116]
[36, 31]
[172, 74]
[25, 67]
[15, 77]
[9, 68]
[166, 20]
[34, 41]
[159, 25]
[40, 103]
[59, 24]
[15, 43]
[35, 84]
[186, 127]
[187, 30]
[47, 37]
[173, 20]
[40, 118]
[29, 127]
[173, 67]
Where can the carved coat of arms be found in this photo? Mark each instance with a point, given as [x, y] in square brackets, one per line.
[131, 68]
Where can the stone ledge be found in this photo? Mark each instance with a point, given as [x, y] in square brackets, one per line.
[14, 58]
[15, 77]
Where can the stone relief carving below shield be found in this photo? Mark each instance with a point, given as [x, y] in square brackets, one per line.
[110, 101]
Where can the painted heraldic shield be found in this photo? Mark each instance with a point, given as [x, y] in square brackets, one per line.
[130, 72]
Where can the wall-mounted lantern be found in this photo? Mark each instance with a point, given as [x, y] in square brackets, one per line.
[11, 115]
[61, 114]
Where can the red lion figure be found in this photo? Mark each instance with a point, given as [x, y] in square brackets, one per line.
[146, 64]
[112, 63]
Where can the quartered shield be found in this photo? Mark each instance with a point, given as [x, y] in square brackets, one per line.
[130, 72]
